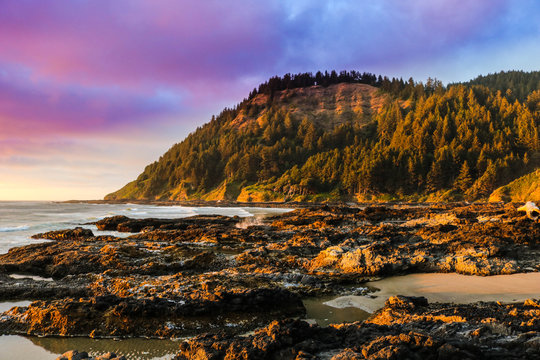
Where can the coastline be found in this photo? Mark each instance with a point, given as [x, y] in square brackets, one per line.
[274, 204]
[175, 278]
[196, 203]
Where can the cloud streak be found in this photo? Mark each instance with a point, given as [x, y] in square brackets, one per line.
[44, 108]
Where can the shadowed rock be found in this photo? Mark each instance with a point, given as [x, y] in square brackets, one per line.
[406, 328]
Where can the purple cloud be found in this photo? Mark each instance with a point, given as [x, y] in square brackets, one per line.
[38, 107]
[385, 34]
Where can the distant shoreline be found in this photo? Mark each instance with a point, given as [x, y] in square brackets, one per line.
[197, 203]
[268, 204]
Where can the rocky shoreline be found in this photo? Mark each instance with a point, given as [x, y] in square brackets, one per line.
[227, 276]
[406, 328]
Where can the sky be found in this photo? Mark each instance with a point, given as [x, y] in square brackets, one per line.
[92, 91]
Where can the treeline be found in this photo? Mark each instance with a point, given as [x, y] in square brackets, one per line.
[464, 140]
[515, 85]
[394, 86]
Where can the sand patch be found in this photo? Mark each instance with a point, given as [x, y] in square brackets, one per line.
[454, 288]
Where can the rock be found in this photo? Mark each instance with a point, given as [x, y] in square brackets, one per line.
[73, 355]
[70, 234]
[532, 302]
[124, 224]
[181, 277]
[426, 331]
[104, 316]
[400, 301]
[111, 223]
[108, 356]
[348, 354]
[533, 343]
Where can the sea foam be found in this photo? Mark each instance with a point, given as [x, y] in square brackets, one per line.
[14, 228]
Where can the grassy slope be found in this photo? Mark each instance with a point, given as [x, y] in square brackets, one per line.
[525, 188]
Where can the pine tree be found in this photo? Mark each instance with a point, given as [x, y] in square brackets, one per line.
[464, 180]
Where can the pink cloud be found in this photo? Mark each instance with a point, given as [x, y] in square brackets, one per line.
[138, 43]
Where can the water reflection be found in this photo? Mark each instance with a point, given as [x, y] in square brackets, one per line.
[323, 315]
[20, 348]
[7, 305]
[130, 348]
[31, 347]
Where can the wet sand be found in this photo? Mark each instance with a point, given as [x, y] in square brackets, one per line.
[450, 288]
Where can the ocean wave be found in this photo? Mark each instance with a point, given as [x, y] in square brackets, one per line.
[138, 213]
[173, 209]
[14, 228]
[243, 213]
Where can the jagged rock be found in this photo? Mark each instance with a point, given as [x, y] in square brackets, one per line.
[124, 224]
[111, 223]
[152, 317]
[246, 277]
[73, 355]
[76, 355]
[348, 354]
[70, 234]
[406, 328]
[400, 301]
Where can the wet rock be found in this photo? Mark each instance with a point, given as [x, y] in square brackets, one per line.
[111, 223]
[406, 328]
[73, 355]
[26, 288]
[400, 301]
[152, 317]
[76, 355]
[533, 343]
[124, 224]
[70, 234]
[236, 278]
[348, 354]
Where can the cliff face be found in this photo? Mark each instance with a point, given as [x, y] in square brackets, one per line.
[321, 108]
[325, 107]
[380, 140]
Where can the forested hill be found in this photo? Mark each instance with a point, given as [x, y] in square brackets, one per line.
[516, 85]
[353, 135]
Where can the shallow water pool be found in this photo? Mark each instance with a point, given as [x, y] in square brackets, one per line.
[453, 288]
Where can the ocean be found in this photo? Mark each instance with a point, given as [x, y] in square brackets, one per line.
[19, 220]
